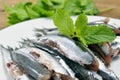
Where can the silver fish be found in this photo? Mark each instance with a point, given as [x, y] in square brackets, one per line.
[10, 69]
[105, 51]
[105, 72]
[46, 59]
[31, 66]
[69, 49]
[51, 63]
[20, 70]
[80, 72]
[54, 62]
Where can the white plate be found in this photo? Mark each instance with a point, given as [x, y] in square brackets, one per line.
[11, 35]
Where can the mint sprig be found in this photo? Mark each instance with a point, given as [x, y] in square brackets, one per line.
[81, 30]
[64, 23]
[81, 24]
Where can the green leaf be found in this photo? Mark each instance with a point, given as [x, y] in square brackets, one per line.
[84, 33]
[85, 2]
[90, 9]
[32, 14]
[46, 8]
[58, 4]
[81, 23]
[98, 34]
[16, 14]
[72, 7]
[41, 11]
[13, 19]
[22, 15]
[82, 40]
[64, 23]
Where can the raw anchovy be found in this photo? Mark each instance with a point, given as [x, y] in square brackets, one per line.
[102, 68]
[69, 49]
[20, 73]
[30, 65]
[52, 63]
[12, 71]
[106, 76]
[103, 71]
[28, 43]
[46, 59]
[80, 72]
[105, 51]
[106, 73]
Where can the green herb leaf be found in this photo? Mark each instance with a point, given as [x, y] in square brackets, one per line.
[85, 2]
[46, 8]
[78, 6]
[81, 23]
[16, 14]
[64, 23]
[90, 9]
[98, 34]
[92, 34]
[72, 7]
[81, 30]
[32, 14]
[38, 8]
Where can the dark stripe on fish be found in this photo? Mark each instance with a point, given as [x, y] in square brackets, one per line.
[80, 71]
[31, 66]
[105, 75]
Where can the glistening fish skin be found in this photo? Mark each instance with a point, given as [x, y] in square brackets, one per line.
[25, 68]
[69, 49]
[80, 72]
[46, 59]
[30, 65]
[12, 70]
[27, 43]
[106, 76]
[105, 72]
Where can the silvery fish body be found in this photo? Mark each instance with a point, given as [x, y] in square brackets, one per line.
[12, 70]
[30, 65]
[35, 64]
[105, 51]
[68, 48]
[48, 64]
[105, 72]
[80, 72]
[46, 59]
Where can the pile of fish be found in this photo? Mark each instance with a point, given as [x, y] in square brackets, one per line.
[52, 56]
